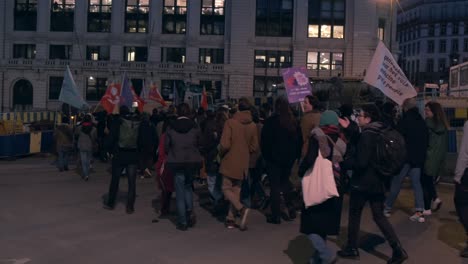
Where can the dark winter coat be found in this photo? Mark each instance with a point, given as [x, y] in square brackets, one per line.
[147, 137]
[182, 145]
[365, 177]
[209, 144]
[278, 144]
[324, 218]
[414, 130]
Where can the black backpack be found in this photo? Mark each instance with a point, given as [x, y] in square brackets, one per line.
[390, 151]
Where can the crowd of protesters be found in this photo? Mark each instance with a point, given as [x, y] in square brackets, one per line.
[240, 148]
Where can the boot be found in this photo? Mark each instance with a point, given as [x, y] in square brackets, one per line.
[273, 220]
[191, 219]
[464, 252]
[349, 253]
[399, 255]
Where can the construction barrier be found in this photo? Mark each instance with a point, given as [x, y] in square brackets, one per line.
[26, 143]
[29, 117]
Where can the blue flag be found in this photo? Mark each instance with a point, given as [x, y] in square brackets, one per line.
[126, 92]
[175, 101]
[69, 92]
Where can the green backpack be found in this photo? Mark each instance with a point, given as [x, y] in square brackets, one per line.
[128, 134]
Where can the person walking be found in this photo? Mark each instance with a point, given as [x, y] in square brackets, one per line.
[322, 220]
[281, 147]
[147, 142]
[123, 143]
[461, 186]
[182, 146]
[414, 130]
[238, 141]
[164, 176]
[86, 136]
[436, 152]
[367, 185]
[63, 137]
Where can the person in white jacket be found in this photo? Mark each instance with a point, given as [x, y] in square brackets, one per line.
[461, 188]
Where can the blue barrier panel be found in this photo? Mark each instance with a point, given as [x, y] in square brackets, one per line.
[14, 145]
[47, 141]
[452, 141]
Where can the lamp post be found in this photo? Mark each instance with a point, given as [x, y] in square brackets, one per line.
[391, 27]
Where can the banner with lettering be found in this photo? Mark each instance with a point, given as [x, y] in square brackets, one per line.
[297, 84]
[385, 74]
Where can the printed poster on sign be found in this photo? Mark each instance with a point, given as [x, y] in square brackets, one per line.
[296, 83]
[385, 74]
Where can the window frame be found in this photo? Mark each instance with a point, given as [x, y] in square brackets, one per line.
[320, 21]
[24, 51]
[217, 55]
[208, 22]
[140, 17]
[103, 17]
[276, 55]
[167, 54]
[332, 64]
[100, 86]
[178, 16]
[56, 94]
[265, 24]
[61, 18]
[67, 52]
[141, 53]
[28, 13]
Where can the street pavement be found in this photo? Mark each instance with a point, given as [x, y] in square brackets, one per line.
[54, 217]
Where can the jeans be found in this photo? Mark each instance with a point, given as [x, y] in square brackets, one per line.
[184, 194]
[320, 244]
[357, 201]
[85, 162]
[131, 170]
[415, 175]
[279, 183]
[215, 180]
[429, 190]
[63, 155]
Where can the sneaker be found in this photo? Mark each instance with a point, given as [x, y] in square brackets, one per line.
[436, 205]
[427, 212]
[244, 212]
[418, 217]
[387, 212]
[348, 253]
[229, 224]
[147, 173]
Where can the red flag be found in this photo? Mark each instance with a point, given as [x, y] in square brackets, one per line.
[111, 98]
[136, 98]
[204, 100]
[155, 96]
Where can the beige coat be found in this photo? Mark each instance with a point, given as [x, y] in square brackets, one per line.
[238, 141]
[309, 121]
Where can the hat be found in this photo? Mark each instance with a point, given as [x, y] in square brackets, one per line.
[328, 118]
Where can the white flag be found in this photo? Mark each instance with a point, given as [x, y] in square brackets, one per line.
[69, 93]
[385, 74]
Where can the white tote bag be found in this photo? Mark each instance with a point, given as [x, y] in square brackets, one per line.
[318, 183]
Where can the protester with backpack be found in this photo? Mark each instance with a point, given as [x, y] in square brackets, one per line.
[182, 145]
[461, 185]
[123, 144]
[368, 185]
[414, 130]
[321, 220]
[63, 138]
[86, 140]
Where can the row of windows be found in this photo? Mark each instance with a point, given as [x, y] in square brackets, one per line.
[263, 58]
[96, 87]
[414, 48]
[414, 33]
[326, 18]
[174, 16]
[102, 53]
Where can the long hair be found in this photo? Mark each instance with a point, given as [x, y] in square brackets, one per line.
[286, 118]
[439, 115]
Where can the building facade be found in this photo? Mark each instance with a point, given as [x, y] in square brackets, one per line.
[433, 35]
[233, 48]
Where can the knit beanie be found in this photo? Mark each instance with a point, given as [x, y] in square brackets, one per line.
[328, 118]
